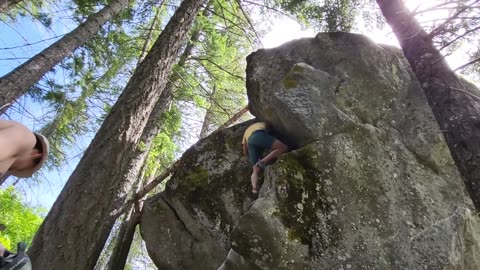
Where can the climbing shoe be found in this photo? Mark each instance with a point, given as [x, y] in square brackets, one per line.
[19, 261]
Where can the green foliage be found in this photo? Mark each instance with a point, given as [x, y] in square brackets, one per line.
[163, 148]
[95, 75]
[21, 220]
[214, 77]
[325, 15]
[34, 9]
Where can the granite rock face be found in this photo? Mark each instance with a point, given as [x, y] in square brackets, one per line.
[370, 184]
[189, 224]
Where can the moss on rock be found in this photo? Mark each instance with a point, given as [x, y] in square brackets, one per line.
[289, 81]
[304, 206]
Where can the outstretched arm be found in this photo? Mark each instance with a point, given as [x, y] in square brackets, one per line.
[15, 139]
[5, 132]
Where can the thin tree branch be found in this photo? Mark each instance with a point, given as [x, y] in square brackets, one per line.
[149, 187]
[436, 7]
[234, 118]
[209, 95]
[249, 22]
[149, 37]
[467, 64]
[240, 27]
[270, 8]
[441, 26]
[466, 93]
[169, 171]
[218, 66]
[459, 37]
[29, 44]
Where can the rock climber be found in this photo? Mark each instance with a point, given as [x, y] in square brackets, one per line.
[22, 153]
[255, 141]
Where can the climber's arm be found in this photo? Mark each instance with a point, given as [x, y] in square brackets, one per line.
[15, 139]
[245, 149]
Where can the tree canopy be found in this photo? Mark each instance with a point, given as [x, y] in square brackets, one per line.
[20, 219]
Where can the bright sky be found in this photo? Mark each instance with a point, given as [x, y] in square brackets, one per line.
[13, 36]
[24, 31]
[283, 31]
[287, 29]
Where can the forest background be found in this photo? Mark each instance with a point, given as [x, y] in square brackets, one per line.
[206, 87]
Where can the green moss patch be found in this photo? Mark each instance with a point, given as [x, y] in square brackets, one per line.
[202, 191]
[289, 81]
[303, 204]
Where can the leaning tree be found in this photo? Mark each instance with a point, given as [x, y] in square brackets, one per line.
[455, 108]
[15, 83]
[76, 228]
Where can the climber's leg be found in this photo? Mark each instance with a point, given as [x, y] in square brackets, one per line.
[254, 178]
[277, 148]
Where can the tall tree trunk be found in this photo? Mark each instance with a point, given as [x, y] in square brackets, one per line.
[118, 258]
[456, 112]
[208, 119]
[15, 83]
[5, 5]
[126, 233]
[76, 228]
[124, 240]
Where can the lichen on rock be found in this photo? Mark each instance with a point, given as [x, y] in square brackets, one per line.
[369, 183]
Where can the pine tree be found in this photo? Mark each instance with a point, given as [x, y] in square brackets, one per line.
[15, 83]
[456, 110]
[77, 226]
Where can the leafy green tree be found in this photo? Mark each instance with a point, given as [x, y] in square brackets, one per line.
[95, 75]
[11, 10]
[20, 219]
[325, 15]
[99, 185]
[15, 83]
[156, 151]
[166, 124]
[214, 75]
[94, 83]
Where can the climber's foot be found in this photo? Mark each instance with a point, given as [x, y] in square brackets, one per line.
[260, 164]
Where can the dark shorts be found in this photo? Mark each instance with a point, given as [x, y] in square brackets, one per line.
[258, 142]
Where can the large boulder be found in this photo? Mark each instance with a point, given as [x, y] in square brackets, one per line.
[371, 184]
[189, 224]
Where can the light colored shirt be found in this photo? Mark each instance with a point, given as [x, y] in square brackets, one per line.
[251, 129]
